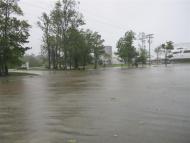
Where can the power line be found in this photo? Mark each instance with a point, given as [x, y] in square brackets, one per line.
[105, 19]
[41, 6]
[150, 37]
[142, 38]
[98, 19]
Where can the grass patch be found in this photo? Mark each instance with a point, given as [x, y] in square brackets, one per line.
[21, 74]
[118, 65]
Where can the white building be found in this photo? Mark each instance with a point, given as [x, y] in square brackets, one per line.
[107, 58]
[26, 66]
[181, 52]
[116, 60]
[108, 50]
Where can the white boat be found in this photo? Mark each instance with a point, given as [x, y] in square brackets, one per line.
[181, 52]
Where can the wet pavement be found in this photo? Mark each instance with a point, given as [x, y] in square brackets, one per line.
[150, 105]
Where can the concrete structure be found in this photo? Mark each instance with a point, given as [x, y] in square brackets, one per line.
[181, 53]
[116, 60]
[26, 66]
[108, 50]
[107, 58]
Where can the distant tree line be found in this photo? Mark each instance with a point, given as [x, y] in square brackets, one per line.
[13, 35]
[66, 45]
[165, 49]
[131, 55]
[128, 53]
[34, 61]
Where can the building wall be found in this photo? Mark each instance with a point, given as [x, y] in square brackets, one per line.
[108, 58]
[108, 50]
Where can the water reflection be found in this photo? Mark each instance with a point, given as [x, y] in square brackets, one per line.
[13, 126]
[111, 105]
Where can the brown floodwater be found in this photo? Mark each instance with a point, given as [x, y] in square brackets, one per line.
[113, 105]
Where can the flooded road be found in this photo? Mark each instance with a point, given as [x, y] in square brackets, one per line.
[115, 105]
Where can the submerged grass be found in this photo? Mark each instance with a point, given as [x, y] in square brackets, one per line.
[21, 74]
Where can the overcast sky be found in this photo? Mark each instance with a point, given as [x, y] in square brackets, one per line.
[167, 19]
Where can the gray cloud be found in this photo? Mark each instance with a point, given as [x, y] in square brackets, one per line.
[167, 19]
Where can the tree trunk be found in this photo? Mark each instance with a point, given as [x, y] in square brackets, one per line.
[0, 66]
[70, 62]
[60, 58]
[53, 59]
[65, 59]
[157, 59]
[0, 70]
[166, 59]
[95, 63]
[76, 64]
[49, 59]
[6, 70]
[125, 62]
[84, 63]
[56, 57]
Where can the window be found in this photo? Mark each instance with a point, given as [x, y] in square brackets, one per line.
[187, 51]
[176, 53]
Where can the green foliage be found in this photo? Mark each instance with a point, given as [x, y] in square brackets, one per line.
[76, 48]
[143, 55]
[14, 34]
[125, 49]
[167, 47]
[64, 43]
[34, 61]
[158, 51]
[44, 24]
[97, 47]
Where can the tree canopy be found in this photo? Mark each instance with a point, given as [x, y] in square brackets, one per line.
[167, 47]
[14, 34]
[125, 48]
[65, 43]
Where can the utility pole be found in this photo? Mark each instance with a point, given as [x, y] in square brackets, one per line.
[142, 38]
[150, 37]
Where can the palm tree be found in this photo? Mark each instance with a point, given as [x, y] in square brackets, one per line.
[168, 46]
[158, 51]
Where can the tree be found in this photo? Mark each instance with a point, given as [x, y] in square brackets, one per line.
[125, 49]
[158, 51]
[13, 35]
[142, 56]
[57, 35]
[87, 48]
[44, 24]
[107, 59]
[97, 47]
[65, 16]
[34, 61]
[76, 48]
[63, 19]
[64, 41]
[168, 46]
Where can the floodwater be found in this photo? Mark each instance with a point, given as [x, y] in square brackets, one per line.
[114, 105]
